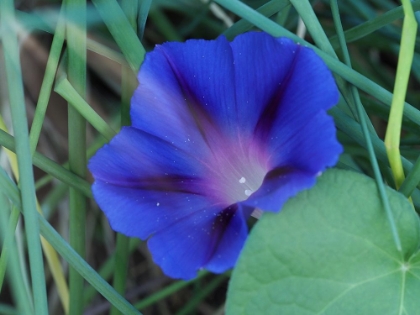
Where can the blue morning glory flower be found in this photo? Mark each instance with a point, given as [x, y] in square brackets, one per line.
[219, 129]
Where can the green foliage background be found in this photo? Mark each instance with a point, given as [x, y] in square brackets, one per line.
[69, 93]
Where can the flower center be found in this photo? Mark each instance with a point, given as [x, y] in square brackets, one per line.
[239, 173]
[248, 184]
[248, 191]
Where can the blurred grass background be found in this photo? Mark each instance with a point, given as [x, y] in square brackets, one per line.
[92, 54]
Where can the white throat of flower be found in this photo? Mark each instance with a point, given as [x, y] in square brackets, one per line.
[247, 191]
[239, 172]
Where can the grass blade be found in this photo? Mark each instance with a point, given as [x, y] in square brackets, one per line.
[122, 32]
[76, 46]
[19, 120]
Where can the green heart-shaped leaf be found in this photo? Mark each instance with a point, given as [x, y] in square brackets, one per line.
[330, 251]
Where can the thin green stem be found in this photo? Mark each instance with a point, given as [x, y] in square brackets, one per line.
[69, 93]
[50, 167]
[361, 113]
[19, 121]
[8, 187]
[144, 7]
[17, 284]
[405, 60]
[268, 9]
[107, 269]
[81, 266]
[122, 32]
[202, 294]
[412, 180]
[7, 243]
[121, 267]
[167, 291]
[76, 45]
[164, 25]
[373, 24]
[131, 10]
[308, 16]
[53, 198]
[281, 17]
[47, 83]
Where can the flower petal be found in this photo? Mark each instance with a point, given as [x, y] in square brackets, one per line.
[134, 157]
[213, 241]
[231, 242]
[140, 212]
[307, 90]
[312, 148]
[144, 184]
[262, 63]
[189, 87]
[290, 83]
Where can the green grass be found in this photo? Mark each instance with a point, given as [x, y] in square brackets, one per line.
[83, 81]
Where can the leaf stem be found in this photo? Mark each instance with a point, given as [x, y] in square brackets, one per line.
[405, 60]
